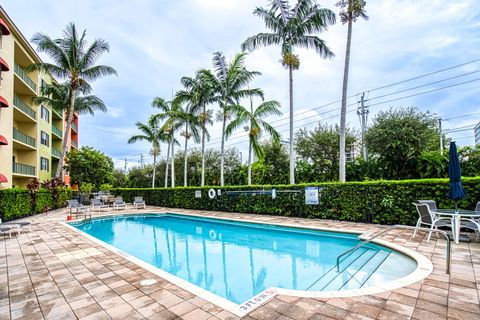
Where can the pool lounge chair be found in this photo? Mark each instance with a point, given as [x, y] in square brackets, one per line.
[428, 218]
[138, 201]
[119, 203]
[19, 224]
[77, 208]
[477, 208]
[98, 204]
[9, 229]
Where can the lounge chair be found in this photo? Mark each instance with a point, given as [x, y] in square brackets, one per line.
[429, 218]
[77, 208]
[477, 208]
[119, 203]
[98, 204]
[9, 229]
[138, 201]
[19, 224]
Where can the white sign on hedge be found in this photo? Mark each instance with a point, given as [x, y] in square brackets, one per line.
[311, 195]
[198, 194]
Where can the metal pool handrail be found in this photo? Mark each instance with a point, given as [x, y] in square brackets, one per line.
[398, 226]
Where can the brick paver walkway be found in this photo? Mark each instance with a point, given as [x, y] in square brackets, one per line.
[55, 273]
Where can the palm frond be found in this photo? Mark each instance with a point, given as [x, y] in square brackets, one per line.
[261, 40]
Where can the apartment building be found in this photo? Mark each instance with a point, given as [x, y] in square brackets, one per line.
[30, 135]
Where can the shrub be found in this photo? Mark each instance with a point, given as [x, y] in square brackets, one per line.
[384, 202]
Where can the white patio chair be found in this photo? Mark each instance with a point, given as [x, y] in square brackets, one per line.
[19, 224]
[10, 229]
[429, 218]
[77, 208]
[138, 201]
[119, 203]
[98, 204]
[431, 204]
[477, 208]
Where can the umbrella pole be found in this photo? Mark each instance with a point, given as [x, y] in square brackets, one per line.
[456, 206]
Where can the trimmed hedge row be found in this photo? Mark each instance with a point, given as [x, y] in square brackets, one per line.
[17, 203]
[383, 202]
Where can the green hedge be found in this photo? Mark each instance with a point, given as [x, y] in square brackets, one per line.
[17, 202]
[384, 202]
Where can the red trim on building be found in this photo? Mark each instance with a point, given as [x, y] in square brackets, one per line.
[4, 65]
[3, 102]
[5, 30]
[3, 179]
[3, 141]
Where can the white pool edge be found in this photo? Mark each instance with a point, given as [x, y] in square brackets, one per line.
[423, 270]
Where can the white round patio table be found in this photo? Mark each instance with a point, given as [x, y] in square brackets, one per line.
[456, 215]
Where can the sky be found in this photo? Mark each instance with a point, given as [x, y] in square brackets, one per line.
[154, 43]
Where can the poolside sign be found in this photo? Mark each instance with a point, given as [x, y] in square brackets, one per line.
[311, 195]
[198, 194]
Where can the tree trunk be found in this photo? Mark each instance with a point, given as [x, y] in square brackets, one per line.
[66, 134]
[185, 158]
[292, 155]
[154, 165]
[166, 165]
[222, 150]
[343, 112]
[203, 148]
[173, 163]
[250, 163]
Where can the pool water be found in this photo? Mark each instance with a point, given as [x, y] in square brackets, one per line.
[237, 260]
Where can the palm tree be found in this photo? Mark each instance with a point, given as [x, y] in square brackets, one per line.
[292, 26]
[230, 84]
[351, 10]
[74, 61]
[151, 132]
[57, 97]
[198, 94]
[186, 117]
[170, 126]
[255, 124]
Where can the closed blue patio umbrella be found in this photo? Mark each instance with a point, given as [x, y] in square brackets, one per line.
[456, 191]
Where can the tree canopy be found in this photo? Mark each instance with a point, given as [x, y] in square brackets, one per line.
[87, 165]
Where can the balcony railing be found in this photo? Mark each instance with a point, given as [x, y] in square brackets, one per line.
[56, 131]
[22, 137]
[74, 127]
[74, 144]
[24, 107]
[56, 153]
[23, 75]
[21, 168]
[59, 115]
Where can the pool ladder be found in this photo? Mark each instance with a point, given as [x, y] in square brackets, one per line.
[398, 226]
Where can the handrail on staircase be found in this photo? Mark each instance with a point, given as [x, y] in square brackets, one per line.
[398, 226]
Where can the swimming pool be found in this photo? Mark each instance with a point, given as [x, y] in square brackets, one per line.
[238, 260]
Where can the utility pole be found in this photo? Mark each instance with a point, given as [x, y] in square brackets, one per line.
[362, 112]
[125, 168]
[441, 138]
[141, 160]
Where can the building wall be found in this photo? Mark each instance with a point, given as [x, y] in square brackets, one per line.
[20, 160]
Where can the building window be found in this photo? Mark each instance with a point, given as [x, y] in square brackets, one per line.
[45, 114]
[44, 138]
[44, 164]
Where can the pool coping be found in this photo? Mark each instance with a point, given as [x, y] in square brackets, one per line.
[424, 267]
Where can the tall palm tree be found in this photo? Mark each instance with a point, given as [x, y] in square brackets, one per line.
[170, 126]
[73, 60]
[151, 132]
[255, 126]
[292, 26]
[198, 94]
[230, 84]
[351, 10]
[57, 96]
[186, 117]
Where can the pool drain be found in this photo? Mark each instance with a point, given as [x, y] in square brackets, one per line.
[148, 282]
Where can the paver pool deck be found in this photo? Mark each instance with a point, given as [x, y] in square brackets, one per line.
[53, 272]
